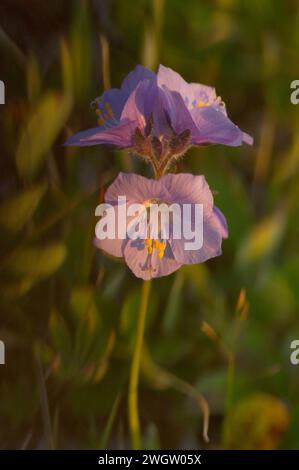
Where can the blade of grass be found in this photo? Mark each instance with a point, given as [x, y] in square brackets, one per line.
[109, 424]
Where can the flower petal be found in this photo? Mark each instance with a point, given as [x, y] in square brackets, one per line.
[211, 244]
[148, 266]
[137, 75]
[203, 94]
[136, 188]
[247, 139]
[188, 188]
[191, 93]
[172, 103]
[174, 82]
[223, 228]
[120, 135]
[214, 127]
[116, 99]
[140, 103]
[112, 247]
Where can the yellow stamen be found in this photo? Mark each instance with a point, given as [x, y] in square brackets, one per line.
[201, 103]
[161, 246]
[148, 243]
[101, 120]
[156, 244]
[108, 109]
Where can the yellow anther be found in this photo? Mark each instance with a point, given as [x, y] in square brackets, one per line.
[101, 120]
[201, 103]
[156, 244]
[149, 245]
[161, 246]
[108, 109]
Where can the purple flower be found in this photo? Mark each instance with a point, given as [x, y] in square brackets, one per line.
[160, 115]
[151, 257]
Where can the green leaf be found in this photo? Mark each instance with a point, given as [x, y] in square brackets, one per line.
[17, 211]
[41, 131]
[36, 262]
[108, 427]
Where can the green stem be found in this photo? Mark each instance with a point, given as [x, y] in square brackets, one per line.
[135, 367]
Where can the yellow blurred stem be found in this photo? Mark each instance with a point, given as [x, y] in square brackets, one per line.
[135, 368]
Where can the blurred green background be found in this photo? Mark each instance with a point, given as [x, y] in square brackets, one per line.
[68, 312]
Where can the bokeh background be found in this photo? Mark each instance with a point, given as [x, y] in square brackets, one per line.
[221, 330]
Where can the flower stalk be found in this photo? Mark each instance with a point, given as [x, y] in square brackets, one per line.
[134, 422]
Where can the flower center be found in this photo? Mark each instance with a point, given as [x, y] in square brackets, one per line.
[155, 245]
[200, 104]
[147, 204]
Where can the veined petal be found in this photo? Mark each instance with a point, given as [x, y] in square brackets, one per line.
[191, 93]
[136, 188]
[214, 127]
[112, 247]
[119, 135]
[115, 245]
[211, 244]
[174, 82]
[116, 98]
[148, 266]
[140, 103]
[202, 94]
[173, 106]
[137, 75]
[188, 188]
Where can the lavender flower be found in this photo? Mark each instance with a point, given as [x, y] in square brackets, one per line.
[159, 116]
[147, 257]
